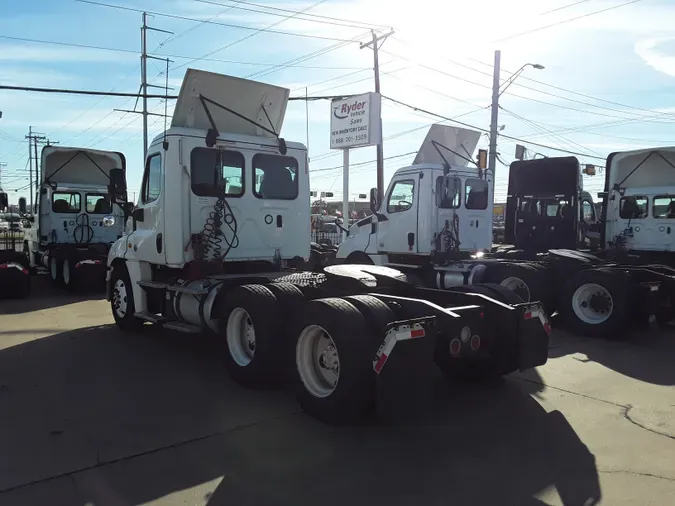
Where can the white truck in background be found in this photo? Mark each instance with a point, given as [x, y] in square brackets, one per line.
[436, 222]
[65, 232]
[217, 243]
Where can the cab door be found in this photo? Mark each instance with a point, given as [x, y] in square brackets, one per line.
[397, 220]
[147, 240]
[664, 222]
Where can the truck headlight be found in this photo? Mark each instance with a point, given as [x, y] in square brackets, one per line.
[108, 221]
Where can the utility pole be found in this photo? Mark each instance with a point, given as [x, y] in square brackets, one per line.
[33, 139]
[376, 68]
[492, 158]
[144, 78]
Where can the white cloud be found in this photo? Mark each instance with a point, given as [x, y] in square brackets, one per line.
[647, 49]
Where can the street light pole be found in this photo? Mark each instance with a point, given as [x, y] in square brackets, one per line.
[496, 93]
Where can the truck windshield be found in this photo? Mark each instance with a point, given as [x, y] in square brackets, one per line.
[66, 202]
[275, 177]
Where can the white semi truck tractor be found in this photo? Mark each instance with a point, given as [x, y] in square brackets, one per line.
[66, 231]
[214, 246]
[436, 223]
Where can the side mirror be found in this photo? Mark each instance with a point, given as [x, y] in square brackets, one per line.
[4, 201]
[22, 205]
[374, 200]
[118, 186]
[128, 208]
[138, 214]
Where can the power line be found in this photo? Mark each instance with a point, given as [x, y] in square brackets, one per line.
[487, 131]
[564, 7]
[362, 163]
[176, 56]
[83, 92]
[565, 21]
[525, 78]
[228, 25]
[320, 19]
[649, 119]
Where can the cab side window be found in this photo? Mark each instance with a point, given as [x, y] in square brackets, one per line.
[152, 179]
[587, 211]
[401, 196]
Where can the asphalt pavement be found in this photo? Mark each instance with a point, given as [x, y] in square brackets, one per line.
[89, 415]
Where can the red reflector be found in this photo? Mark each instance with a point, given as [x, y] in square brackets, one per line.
[417, 333]
[455, 346]
[380, 363]
[475, 342]
[25, 271]
[481, 315]
[528, 315]
[547, 328]
[3, 266]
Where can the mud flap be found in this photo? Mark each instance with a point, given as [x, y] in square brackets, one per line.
[404, 366]
[534, 335]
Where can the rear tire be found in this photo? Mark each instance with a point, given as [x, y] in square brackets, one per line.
[597, 302]
[69, 274]
[522, 278]
[253, 332]
[335, 380]
[55, 269]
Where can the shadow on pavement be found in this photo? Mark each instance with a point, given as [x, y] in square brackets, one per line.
[135, 418]
[646, 354]
[46, 296]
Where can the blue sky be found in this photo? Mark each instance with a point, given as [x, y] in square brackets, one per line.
[608, 82]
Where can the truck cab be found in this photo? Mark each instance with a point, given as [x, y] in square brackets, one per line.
[639, 203]
[431, 209]
[547, 208]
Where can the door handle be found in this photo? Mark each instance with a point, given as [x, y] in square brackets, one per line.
[280, 222]
[158, 242]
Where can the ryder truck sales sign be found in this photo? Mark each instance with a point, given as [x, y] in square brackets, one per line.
[355, 121]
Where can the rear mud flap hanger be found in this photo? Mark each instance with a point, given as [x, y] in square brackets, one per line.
[213, 134]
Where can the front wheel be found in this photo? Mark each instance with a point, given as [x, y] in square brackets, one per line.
[122, 300]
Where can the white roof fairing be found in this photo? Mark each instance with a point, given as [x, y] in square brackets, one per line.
[251, 99]
[643, 168]
[460, 140]
[79, 166]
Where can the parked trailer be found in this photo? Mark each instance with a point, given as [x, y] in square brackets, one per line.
[436, 222]
[222, 218]
[14, 271]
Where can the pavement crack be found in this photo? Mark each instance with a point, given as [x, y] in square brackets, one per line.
[635, 473]
[626, 415]
[104, 463]
[611, 403]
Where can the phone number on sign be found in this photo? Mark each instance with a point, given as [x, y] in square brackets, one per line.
[350, 138]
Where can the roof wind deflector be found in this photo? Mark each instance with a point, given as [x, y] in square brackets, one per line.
[226, 104]
[212, 134]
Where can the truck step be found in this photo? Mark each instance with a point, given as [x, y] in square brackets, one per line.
[183, 289]
[150, 317]
[182, 327]
[158, 285]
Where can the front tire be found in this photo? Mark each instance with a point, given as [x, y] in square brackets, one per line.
[122, 300]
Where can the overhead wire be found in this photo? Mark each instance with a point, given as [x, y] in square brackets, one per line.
[228, 25]
[564, 21]
[305, 17]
